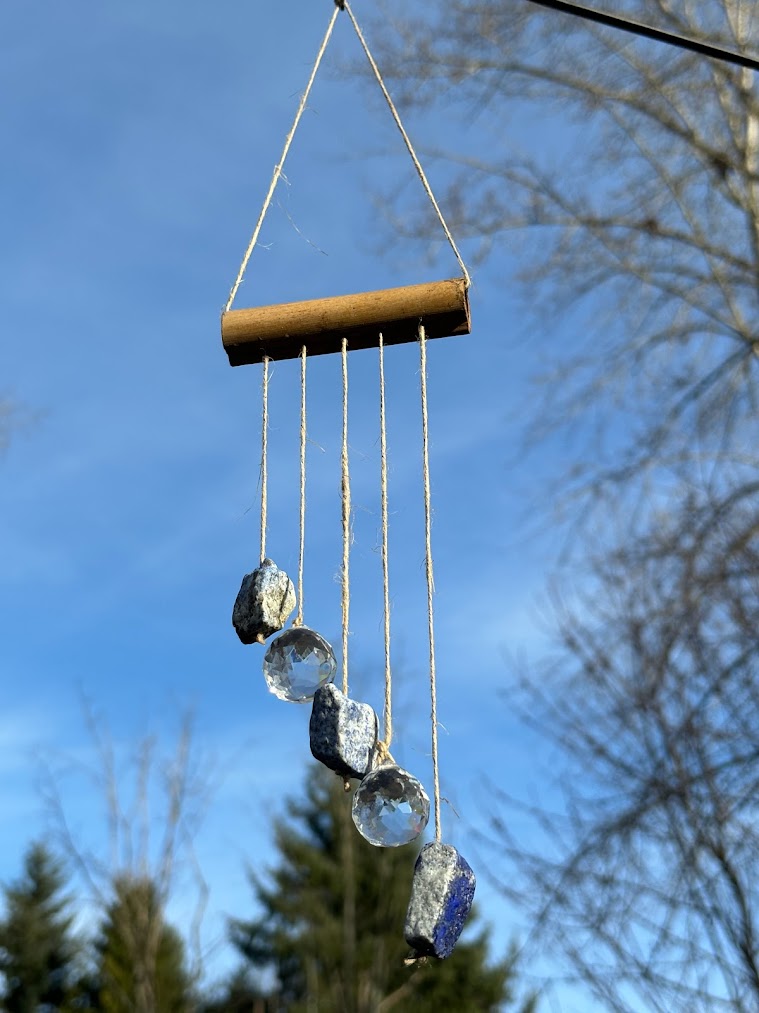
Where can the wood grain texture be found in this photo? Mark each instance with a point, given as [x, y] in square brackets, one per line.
[281, 330]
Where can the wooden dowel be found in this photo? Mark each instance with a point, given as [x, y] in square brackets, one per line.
[281, 330]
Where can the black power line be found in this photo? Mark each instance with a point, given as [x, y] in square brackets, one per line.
[636, 28]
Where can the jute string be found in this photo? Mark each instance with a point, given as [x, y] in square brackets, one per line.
[388, 716]
[430, 574]
[281, 163]
[346, 517]
[278, 168]
[264, 447]
[409, 146]
[299, 617]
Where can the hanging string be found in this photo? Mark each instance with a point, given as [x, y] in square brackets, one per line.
[388, 717]
[346, 517]
[264, 445]
[343, 5]
[430, 576]
[299, 618]
[409, 146]
[280, 165]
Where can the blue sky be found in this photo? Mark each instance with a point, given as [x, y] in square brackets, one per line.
[138, 143]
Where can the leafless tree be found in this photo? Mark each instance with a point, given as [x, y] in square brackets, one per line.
[644, 872]
[631, 202]
[153, 806]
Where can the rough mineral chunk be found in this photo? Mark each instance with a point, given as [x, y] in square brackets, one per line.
[343, 732]
[441, 898]
[263, 604]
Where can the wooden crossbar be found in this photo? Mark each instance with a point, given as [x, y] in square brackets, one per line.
[281, 330]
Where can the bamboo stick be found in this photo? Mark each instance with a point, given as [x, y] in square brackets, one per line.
[281, 330]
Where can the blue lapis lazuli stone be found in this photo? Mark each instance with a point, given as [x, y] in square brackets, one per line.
[441, 899]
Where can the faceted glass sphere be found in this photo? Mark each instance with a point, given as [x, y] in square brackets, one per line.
[390, 807]
[297, 663]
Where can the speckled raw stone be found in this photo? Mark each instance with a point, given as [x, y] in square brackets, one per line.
[343, 732]
[441, 899]
[263, 604]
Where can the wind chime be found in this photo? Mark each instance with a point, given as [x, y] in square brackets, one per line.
[390, 807]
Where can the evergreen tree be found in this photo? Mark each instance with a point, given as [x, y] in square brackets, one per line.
[141, 959]
[37, 948]
[331, 927]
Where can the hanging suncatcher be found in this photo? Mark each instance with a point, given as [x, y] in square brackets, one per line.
[390, 807]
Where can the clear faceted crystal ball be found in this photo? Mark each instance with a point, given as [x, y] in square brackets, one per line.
[297, 663]
[390, 807]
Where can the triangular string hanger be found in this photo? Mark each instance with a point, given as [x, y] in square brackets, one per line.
[279, 332]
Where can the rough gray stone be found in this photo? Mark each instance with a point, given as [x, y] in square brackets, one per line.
[343, 733]
[263, 604]
[441, 899]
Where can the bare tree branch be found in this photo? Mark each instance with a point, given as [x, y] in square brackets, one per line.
[647, 237]
[170, 794]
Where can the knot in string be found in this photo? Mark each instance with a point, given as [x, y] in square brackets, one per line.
[382, 754]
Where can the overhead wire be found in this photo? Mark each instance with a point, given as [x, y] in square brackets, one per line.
[649, 32]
